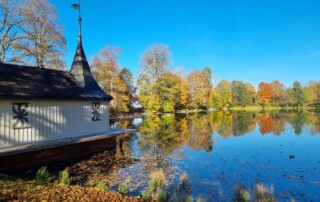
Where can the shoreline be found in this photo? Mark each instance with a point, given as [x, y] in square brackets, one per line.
[235, 108]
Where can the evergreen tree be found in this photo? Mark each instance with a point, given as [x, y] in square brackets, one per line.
[298, 95]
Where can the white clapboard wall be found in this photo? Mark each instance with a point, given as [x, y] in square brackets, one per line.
[49, 120]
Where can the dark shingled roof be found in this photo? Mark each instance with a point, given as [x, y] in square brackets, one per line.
[27, 82]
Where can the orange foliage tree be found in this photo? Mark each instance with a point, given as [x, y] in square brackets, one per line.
[265, 93]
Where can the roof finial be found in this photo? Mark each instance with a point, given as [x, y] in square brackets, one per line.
[77, 6]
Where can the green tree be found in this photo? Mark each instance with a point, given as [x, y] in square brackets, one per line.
[297, 93]
[126, 76]
[240, 94]
[167, 89]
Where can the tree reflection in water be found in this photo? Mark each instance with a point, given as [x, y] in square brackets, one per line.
[163, 134]
[163, 139]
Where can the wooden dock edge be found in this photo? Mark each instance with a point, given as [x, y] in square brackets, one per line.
[21, 157]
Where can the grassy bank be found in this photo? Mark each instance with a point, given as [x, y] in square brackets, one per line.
[268, 108]
[260, 108]
[12, 189]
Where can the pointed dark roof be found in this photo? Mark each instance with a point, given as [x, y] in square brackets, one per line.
[80, 69]
[25, 82]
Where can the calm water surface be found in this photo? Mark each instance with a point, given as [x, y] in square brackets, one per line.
[222, 150]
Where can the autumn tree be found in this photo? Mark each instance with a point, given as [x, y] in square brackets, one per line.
[183, 95]
[167, 89]
[127, 77]
[279, 92]
[251, 92]
[154, 61]
[200, 86]
[224, 88]
[10, 21]
[42, 43]
[107, 74]
[196, 85]
[265, 93]
[215, 98]
[310, 92]
[172, 91]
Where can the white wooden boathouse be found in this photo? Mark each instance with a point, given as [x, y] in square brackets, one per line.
[39, 104]
[51, 113]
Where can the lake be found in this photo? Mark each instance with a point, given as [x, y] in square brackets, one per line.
[219, 151]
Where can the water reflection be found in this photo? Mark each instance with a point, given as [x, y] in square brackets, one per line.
[169, 132]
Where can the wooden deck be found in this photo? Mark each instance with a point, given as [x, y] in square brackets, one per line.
[36, 154]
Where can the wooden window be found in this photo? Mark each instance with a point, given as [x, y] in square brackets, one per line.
[20, 116]
[96, 111]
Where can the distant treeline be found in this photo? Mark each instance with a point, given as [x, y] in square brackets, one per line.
[166, 91]
[159, 89]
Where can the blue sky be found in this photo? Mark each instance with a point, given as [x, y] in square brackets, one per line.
[248, 40]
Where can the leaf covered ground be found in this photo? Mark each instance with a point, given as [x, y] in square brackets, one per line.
[12, 189]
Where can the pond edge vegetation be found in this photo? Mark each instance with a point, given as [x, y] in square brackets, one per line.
[44, 187]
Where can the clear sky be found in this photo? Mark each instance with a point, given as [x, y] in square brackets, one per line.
[248, 40]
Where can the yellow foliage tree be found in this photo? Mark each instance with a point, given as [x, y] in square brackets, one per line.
[107, 74]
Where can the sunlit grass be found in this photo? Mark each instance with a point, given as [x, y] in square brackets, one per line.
[264, 193]
[156, 186]
[123, 188]
[43, 175]
[242, 194]
[103, 185]
[261, 108]
[64, 178]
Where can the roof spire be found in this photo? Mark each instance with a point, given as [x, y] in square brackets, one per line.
[80, 68]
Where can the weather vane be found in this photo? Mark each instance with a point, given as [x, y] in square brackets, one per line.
[77, 6]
